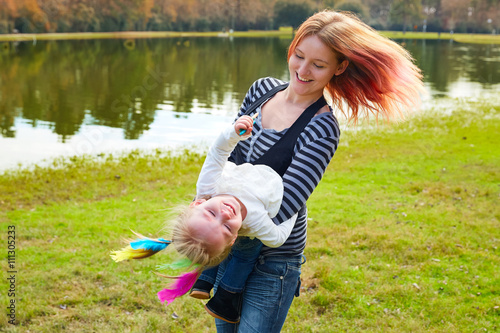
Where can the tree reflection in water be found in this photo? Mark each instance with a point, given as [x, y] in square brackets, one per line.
[121, 84]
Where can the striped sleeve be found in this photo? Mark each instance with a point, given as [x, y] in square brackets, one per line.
[300, 180]
[314, 150]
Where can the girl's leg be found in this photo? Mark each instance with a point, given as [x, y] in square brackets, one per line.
[209, 275]
[204, 283]
[268, 294]
[227, 300]
[244, 255]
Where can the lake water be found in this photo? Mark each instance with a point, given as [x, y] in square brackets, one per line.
[89, 97]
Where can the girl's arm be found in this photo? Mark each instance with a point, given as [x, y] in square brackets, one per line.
[267, 231]
[218, 154]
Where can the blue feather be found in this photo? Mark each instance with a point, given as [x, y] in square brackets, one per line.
[155, 245]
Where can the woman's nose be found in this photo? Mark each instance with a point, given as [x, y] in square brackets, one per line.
[303, 69]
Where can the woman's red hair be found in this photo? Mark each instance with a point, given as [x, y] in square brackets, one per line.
[381, 77]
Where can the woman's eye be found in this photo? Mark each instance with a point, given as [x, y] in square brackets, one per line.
[319, 66]
[298, 56]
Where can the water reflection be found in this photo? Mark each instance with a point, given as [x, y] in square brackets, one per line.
[446, 62]
[53, 94]
[122, 83]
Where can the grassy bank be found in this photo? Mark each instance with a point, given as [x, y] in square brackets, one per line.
[139, 34]
[403, 236]
[457, 37]
[462, 38]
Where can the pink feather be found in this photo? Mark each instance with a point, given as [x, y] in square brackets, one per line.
[181, 286]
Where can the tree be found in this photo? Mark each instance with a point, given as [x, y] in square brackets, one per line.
[355, 7]
[406, 12]
[30, 17]
[292, 13]
[8, 13]
[83, 17]
[57, 15]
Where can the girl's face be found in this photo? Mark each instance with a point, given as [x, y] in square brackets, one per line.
[217, 221]
[312, 65]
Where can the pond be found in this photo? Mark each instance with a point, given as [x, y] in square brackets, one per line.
[94, 96]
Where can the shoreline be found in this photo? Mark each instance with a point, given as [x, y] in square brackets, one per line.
[457, 37]
[200, 145]
[138, 35]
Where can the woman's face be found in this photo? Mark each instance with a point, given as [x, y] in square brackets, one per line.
[311, 67]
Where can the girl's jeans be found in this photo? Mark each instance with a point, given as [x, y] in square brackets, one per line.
[268, 294]
[244, 255]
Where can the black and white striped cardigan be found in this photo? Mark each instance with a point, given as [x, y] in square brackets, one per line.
[313, 151]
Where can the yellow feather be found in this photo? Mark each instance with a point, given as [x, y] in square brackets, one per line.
[129, 253]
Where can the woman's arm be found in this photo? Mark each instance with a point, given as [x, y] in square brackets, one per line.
[316, 147]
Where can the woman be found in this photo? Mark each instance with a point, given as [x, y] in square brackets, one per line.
[337, 55]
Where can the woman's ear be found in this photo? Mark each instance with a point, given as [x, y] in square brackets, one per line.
[197, 202]
[342, 67]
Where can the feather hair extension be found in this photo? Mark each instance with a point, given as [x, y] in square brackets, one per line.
[140, 248]
[179, 264]
[181, 286]
[155, 245]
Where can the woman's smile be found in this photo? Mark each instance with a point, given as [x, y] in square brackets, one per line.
[302, 79]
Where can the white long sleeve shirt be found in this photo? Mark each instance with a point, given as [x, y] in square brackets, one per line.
[258, 187]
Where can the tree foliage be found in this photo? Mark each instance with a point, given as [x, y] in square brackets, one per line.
[291, 13]
[216, 15]
[405, 12]
[355, 7]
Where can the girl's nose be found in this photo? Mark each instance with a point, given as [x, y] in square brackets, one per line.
[225, 214]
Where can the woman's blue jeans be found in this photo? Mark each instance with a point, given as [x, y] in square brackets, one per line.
[268, 294]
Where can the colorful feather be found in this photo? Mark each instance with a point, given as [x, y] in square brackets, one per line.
[176, 265]
[181, 286]
[140, 248]
[150, 244]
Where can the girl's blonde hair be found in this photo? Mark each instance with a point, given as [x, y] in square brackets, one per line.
[191, 246]
[381, 77]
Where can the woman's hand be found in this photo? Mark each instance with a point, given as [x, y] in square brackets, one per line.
[244, 123]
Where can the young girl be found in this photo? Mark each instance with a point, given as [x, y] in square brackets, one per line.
[231, 201]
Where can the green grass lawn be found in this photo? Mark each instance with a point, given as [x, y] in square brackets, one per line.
[403, 235]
